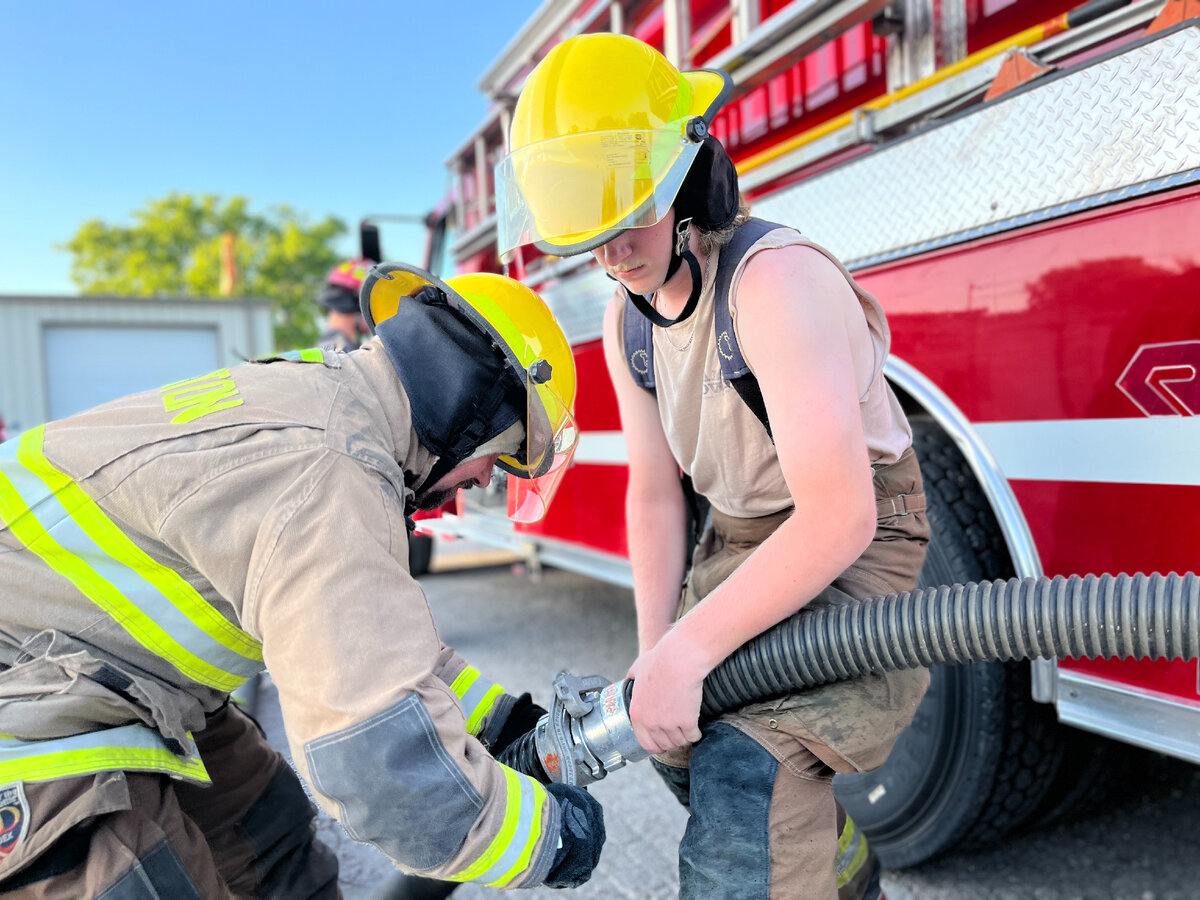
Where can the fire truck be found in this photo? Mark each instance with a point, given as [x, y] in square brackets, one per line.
[1018, 182]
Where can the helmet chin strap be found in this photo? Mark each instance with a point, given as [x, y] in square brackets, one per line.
[680, 252]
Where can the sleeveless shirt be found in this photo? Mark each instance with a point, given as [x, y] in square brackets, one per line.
[711, 431]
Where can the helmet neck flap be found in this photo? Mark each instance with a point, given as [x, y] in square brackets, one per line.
[708, 199]
[462, 390]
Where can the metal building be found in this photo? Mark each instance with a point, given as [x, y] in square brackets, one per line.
[61, 355]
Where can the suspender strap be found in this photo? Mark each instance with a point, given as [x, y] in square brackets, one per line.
[638, 345]
[748, 389]
[637, 332]
[900, 505]
[733, 364]
[638, 328]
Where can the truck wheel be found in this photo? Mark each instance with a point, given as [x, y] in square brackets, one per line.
[980, 753]
[420, 554]
[1085, 777]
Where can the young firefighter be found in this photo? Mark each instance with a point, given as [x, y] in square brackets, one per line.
[158, 550]
[746, 356]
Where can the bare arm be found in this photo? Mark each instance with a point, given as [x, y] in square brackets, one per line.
[654, 505]
[796, 316]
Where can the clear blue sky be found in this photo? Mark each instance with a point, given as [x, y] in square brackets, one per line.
[339, 109]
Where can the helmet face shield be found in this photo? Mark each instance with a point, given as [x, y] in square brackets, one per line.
[572, 192]
[551, 437]
[600, 142]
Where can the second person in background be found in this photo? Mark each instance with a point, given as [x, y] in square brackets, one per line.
[344, 327]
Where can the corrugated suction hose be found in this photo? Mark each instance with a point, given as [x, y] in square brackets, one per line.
[1109, 616]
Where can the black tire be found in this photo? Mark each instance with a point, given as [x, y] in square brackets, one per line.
[1086, 772]
[420, 554]
[980, 753]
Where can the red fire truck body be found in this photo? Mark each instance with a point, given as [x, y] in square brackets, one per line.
[1038, 256]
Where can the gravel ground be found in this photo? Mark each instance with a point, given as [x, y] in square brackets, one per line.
[1143, 843]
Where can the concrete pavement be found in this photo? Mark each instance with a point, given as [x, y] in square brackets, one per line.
[522, 628]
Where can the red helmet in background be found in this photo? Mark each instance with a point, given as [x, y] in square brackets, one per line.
[340, 292]
[350, 274]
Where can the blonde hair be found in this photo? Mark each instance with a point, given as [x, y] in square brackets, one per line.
[708, 241]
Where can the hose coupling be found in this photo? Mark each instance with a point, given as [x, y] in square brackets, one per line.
[587, 733]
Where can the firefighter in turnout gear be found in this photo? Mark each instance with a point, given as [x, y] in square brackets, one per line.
[747, 357]
[158, 550]
[345, 326]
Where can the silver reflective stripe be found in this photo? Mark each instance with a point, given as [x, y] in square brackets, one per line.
[511, 851]
[56, 520]
[478, 696]
[852, 853]
[132, 747]
[310, 355]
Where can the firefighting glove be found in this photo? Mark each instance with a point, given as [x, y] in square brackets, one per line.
[522, 715]
[582, 836]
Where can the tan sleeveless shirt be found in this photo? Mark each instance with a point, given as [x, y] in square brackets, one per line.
[711, 431]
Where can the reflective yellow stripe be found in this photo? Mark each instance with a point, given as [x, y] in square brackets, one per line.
[478, 696]
[234, 654]
[852, 852]
[133, 747]
[310, 355]
[534, 799]
[510, 852]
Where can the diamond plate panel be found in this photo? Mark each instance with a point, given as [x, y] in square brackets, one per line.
[1119, 127]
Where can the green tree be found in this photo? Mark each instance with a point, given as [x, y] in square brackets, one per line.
[173, 249]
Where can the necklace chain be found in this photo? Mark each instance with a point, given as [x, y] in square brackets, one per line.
[692, 318]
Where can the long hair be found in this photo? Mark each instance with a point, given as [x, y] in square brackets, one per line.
[708, 241]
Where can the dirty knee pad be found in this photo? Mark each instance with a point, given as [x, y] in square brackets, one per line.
[157, 874]
[677, 779]
[725, 853]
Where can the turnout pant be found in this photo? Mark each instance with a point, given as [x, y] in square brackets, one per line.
[137, 836]
[764, 823]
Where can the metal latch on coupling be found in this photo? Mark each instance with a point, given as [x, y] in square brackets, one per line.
[587, 732]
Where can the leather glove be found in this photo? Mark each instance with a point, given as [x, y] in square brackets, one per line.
[522, 715]
[582, 836]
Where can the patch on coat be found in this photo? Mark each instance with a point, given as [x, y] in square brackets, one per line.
[14, 818]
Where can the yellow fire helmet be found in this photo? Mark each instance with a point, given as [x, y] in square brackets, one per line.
[603, 133]
[524, 332]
